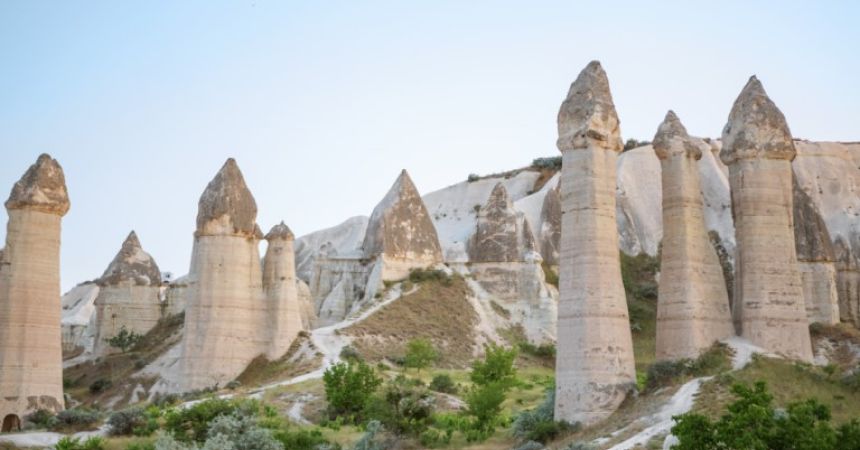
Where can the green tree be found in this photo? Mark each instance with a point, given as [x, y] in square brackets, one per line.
[485, 406]
[420, 354]
[348, 387]
[124, 340]
[496, 367]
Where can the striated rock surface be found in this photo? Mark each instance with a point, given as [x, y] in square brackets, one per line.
[129, 296]
[847, 281]
[401, 232]
[279, 283]
[306, 305]
[503, 234]
[769, 307]
[815, 259]
[226, 311]
[227, 206]
[594, 363]
[550, 230]
[693, 307]
[31, 375]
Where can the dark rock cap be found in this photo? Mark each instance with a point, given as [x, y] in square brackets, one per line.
[672, 139]
[587, 116]
[131, 265]
[756, 128]
[42, 188]
[228, 202]
[280, 231]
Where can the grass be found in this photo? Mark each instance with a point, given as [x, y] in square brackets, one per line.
[438, 310]
[262, 371]
[788, 382]
[638, 275]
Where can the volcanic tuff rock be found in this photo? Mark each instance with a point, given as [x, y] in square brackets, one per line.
[693, 305]
[503, 234]
[130, 295]
[848, 281]
[594, 366]
[284, 313]
[131, 265]
[768, 306]
[226, 311]
[30, 338]
[550, 229]
[227, 206]
[401, 232]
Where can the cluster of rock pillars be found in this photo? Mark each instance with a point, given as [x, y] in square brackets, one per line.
[240, 306]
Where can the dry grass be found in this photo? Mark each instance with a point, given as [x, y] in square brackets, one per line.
[439, 311]
[262, 371]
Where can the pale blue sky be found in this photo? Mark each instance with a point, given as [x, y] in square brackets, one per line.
[322, 103]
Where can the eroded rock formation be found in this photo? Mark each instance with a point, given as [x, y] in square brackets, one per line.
[815, 259]
[279, 283]
[758, 149]
[847, 281]
[400, 232]
[130, 295]
[594, 366]
[31, 374]
[550, 232]
[693, 308]
[503, 234]
[225, 315]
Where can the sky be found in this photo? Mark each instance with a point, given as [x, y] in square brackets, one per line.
[323, 103]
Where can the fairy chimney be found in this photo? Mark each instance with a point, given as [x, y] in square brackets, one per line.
[503, 233]
[282, 297]
[693, 303]
[31, 371]
[758, 149]
[594, 364]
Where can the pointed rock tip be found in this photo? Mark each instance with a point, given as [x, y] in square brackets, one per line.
[756, 128]
[280, 231]
[132, 240]
[228, 201]
[587, 115]
[41, 188]
[131, 265]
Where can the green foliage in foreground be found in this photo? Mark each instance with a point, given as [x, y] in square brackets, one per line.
[752, 422]
[348, 388]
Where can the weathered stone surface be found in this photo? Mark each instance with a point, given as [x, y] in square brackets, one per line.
[815, 259]
[31, 375]
[693, 306]
[594, 366]
[587, 117]
[227, 206]
[847, 281]
[306, 305]
[503, 233]
[129, 295]
[226, 311]
[42, 188]
[131, 265]
[401, 232]
[550, 230]
[768, 307]
[279, 283]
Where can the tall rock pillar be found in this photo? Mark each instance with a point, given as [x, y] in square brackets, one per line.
[594, 364]
[31, 371]
[282, 297]
[693, 306]
[758, 149]
[225, 315]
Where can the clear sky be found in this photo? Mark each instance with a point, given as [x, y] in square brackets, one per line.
[322, 103]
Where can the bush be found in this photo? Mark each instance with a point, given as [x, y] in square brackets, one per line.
[543, 351]
[473, 177]
[371, 440]
[531, 445]
[433, 438]
[633, 143]
[421, 275]
[403, 407]
[497, 367]
[73, 443]
[76, 419]
[539, 424]
[349, 353]
[300, 439]
[485, 406]
[191, 424]
[41, 418]
[100, 385]
[239, 432]
[348, 387]
[124, 340]
[752, 422]
[443, 383]
[134, 420]
[662, 373]
[420, 354]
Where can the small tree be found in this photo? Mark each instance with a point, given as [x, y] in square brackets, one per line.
[348, 387]
[420, 354]
[124, 340]
[497, 367]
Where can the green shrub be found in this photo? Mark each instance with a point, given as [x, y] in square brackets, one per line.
[348, 387]
[100, 385]
[41, 418]
[433, 438]
[191, 424]
[485, 406]
[497, 367]
[349, 353]
[73, 443]
[443, 383]
[141, 446]
[300, 439]
[372, 438]
[403, 407]
[421, 275]
[239, 431]
[76, 419]
[124, 340]
[134, 420]
[551, 162]
[662, 373]
[420, 354]
[543, 351]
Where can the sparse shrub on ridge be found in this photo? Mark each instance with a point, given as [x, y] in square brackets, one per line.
[420, 354]
[443, 383]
